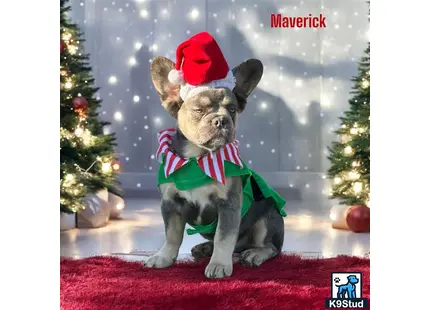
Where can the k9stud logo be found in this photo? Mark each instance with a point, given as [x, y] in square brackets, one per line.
[346, 290]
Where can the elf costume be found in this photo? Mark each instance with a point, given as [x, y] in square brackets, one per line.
[200, 65]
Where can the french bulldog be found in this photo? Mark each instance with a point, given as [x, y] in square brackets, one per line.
[206, 122]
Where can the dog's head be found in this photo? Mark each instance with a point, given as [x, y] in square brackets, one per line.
[207, 119]
[352, 279]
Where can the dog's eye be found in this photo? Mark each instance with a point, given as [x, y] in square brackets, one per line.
[198, 110]
[232, 109]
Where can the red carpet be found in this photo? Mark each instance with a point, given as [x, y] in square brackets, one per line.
[287, 282]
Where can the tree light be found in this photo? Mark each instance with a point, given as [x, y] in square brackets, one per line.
[348, 150]
[79, 131]
[353, 175]
[358, 187]
[337, 180]
[106, 167]
[365, 84]
[68, 85]
[66, 36]
[70, 177]
[354, 131]
[72, 49]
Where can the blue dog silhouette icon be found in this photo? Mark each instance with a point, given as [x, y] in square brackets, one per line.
[348, 288]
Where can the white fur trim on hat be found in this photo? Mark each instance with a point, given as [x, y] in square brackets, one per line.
[176, 77]
[188, 90]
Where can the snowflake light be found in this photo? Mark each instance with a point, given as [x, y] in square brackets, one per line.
[194, 14]
[118, 116]
[112, 80]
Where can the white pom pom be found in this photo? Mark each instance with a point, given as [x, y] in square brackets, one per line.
[176, 77]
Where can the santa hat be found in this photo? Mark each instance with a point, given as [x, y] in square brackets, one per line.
[200, 65]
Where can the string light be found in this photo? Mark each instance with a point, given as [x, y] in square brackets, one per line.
[354, 131]
[68, 84]
[337, 180]
[73, 49]
[106, 167]
[353, 175]
[355, 163]
[66, 36]
[358, 187]
[348, 150]
[365, 83]
[79, 131]
[87, 137]
[69, 177]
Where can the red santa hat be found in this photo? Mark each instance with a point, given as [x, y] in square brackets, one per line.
[200, 65]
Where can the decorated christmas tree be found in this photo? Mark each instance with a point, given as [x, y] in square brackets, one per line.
[87, 159]
[350, 156]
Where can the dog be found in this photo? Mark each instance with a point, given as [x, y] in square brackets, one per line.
[348, 288]
[205, 123]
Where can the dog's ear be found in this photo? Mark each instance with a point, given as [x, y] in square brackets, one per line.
[169, 93]
[248, 75]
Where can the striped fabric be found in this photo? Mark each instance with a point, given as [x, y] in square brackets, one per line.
[212, 164]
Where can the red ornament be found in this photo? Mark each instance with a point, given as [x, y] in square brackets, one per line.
[62, 46]
[358, 219]
[80, 105]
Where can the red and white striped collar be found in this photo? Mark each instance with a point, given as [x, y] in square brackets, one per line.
[212, 164]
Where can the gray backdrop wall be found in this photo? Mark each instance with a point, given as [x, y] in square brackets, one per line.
[290, 118]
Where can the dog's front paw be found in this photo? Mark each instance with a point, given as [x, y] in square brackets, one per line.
[202, 250]
[218, 270]
[158, 261]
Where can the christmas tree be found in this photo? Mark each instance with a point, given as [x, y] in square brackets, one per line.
[350, 157]
[87, 159]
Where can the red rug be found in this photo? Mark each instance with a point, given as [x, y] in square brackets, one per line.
[286, 282]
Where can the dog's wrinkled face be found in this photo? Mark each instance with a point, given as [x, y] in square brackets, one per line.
[207, 119]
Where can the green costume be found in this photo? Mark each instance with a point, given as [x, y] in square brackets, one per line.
[191, 175]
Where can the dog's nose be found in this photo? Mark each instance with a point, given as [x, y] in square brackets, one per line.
[219, 122]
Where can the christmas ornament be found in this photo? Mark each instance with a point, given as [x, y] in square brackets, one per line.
[116, 205]
[80, 105]
[97, 210]
[338, 216]
[62, 46]
[200, 64]
[358, 219]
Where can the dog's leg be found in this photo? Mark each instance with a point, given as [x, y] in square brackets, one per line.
[267, 237]
[174, 228]
[221, 263]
